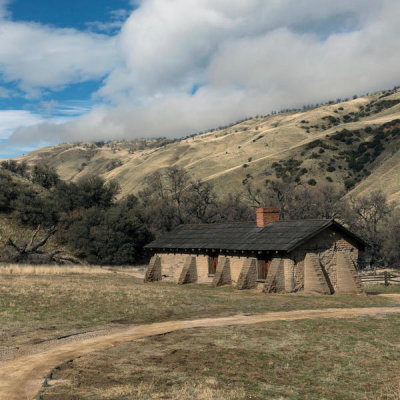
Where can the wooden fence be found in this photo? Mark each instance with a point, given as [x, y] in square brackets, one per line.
[385, 278]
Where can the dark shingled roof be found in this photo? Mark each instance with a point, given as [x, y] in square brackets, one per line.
[276, 236]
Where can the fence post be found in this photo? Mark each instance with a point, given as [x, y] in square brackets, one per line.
[386, 274]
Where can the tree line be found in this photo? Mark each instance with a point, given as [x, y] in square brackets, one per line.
[171, 198]
[87, 218]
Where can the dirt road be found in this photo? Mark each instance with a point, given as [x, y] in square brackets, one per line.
[22, 377]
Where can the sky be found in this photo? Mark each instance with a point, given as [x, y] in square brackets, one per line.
[88, 70]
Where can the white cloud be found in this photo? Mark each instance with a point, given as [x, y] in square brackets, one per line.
[251, 56]
[167, 45]
[10, 120]
[40, 57]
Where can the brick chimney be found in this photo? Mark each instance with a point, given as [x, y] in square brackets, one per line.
[267, 215]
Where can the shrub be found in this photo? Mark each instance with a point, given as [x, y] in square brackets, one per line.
[45, 176]
[349, 184]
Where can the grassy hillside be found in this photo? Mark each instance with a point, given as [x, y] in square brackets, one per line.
[320, 144]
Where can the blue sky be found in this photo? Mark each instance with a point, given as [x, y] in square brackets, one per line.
[71, 100]
[123, 69]
[65, 101]
[78, 14]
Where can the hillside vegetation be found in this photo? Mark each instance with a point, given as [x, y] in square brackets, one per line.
[102, 202]
[352, 145]
[46, 220]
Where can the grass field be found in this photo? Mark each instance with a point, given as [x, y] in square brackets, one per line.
[37, 307]
[318, 359]
[280, 360]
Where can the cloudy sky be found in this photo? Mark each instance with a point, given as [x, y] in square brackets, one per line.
[109, 69]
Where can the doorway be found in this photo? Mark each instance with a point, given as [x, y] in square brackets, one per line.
[262, 268]
[212, 266]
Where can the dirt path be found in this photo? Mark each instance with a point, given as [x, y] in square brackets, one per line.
[22, 378]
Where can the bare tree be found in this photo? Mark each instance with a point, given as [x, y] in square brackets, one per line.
[322, 202]
[273, 194]
[200, 202]
[30, 251]
[171, 198]
[369, 216]
[295, 200]
[391, 240]
[232, 208]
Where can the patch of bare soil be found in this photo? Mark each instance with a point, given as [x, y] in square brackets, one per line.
[22, 377]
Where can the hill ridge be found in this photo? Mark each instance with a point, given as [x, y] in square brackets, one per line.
[256, 149]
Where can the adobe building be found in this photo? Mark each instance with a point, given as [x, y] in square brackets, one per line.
[306, 256]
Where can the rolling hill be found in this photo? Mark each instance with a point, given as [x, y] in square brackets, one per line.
[354, 144]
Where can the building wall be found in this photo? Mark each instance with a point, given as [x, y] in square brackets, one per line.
[326, 246]
[202, 263]
[236, 263]
[172, 265]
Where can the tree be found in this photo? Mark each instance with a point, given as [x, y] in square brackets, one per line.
[233, 208]
[391, 240]
[115, 235]
[30, 251]
[32, 208]
[9, 191]
[369, 217]
[171, 198]
[20, 169]
[200, 202]
[323, 202]
[277, 193]
[94, 191]
[45, 176]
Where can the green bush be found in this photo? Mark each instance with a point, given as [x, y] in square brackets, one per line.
[312, 182]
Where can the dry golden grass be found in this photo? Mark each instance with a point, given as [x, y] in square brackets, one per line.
[20, 269]
[38, 306]
[206, 389]
[385, 178]
[357, 359]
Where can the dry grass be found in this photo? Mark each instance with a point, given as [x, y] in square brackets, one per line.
[355, 359]
[206, 389]
[37, 307]
[282, 360]
[19, 269]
